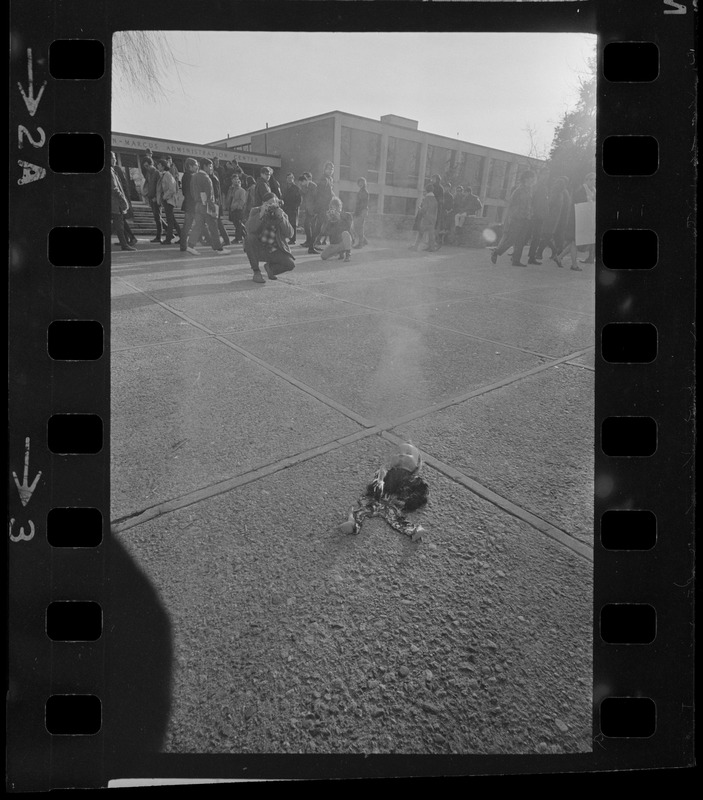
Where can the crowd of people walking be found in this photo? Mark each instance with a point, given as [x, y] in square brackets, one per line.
[266, 216]
[540, 216]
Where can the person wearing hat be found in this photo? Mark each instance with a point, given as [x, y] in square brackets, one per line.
[268, 231]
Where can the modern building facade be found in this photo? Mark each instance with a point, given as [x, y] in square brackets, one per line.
[394, 156]
[130, 149]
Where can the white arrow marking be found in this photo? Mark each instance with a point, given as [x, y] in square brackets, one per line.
[24, 488]
[29, 99]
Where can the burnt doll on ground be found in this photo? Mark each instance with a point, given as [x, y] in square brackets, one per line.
[394, 491]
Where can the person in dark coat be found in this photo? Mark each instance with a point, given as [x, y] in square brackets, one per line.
[202, 190]
[219, 200]
[292, 197]
[308, 189]
[131, 238]
[438, 192]
[149, 190]
[540, 212]
[557, 217]
[275, 187]
[118, 206]
[188, 204]
[517, 228]
[262, 186]
[268, 230]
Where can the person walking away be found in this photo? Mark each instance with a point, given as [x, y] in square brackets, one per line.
[203, 193]
[338, 229]
[517, 226]
[236, 201]
[219, 197]
[540, 213]
[308, 189]
[427, 219]
[268, 230]
[149, 190]
[323, 197]
[557, 217]
[361, 211]
[188, 204]
[292, 197]
[119, 205]
[166, 191]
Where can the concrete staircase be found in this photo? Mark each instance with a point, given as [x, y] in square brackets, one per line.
[143, 225]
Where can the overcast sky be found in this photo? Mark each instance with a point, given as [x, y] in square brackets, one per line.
[485, 88]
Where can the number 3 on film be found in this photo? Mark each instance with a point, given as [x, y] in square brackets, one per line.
[674, 8]
[21, 536]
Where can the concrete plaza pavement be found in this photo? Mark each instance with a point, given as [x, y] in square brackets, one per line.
[247, 416]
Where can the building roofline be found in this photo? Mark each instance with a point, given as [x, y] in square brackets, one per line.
[225, 150]
[379, 122]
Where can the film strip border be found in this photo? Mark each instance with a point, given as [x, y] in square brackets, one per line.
[644, 383]
[59, 325]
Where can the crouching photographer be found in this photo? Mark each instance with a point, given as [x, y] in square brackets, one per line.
[268, 230]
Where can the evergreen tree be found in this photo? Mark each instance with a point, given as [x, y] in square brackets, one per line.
[573, 151]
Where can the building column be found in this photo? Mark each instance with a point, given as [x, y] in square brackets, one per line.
[423, 166]
[337, 144]
[382, 172]
[484, 177]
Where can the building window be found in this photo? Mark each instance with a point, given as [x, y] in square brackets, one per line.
[440, 161]
[402, 206]
[497, 178]
[360, 155]
[403, 163]
[469, 171]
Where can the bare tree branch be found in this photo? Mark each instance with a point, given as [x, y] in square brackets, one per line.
[141, 61]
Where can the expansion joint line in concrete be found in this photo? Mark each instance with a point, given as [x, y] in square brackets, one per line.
[190, 498]
[347, 412]
[559, 535]
[400, 311]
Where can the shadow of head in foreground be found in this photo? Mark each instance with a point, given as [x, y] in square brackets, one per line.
[138, 654]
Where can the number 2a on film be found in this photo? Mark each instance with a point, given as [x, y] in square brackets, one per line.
[674, 7]
[30, 172]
